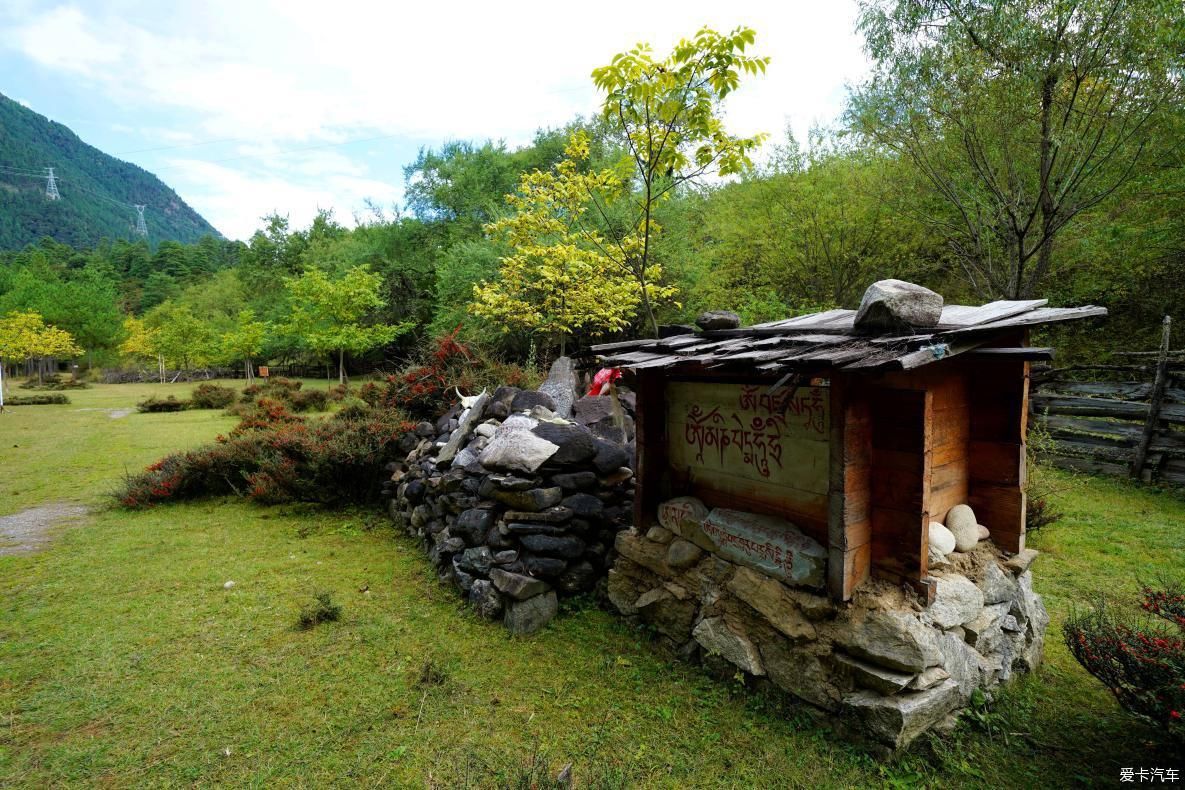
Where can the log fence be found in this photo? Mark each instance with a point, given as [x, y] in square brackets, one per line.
[1132, 425]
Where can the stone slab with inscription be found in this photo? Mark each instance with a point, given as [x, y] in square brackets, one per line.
[771, 545]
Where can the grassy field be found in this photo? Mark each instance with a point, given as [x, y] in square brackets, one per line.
[124, 661]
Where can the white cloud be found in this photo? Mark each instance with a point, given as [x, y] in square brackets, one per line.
[287, 74]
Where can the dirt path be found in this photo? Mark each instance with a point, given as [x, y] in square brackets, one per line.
[31, 530]
[114, 414]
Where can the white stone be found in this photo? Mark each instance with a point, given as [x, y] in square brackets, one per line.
[714, 636]
[941, 538]
[997, 585]
[956, 601]
[682, 511]
[870, 676]
[561, 386]
[898, 719]
[966, 667]
[228, 586]
[984, 532]
[896, 640]
[772, 600]
[514, 448]
[962, 524]
[929, 679]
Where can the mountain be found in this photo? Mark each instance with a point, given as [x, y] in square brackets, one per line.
[97, 190]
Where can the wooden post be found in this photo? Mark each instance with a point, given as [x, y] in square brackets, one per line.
[1154, 402]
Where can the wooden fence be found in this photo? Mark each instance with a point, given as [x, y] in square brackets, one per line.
[1133, 424]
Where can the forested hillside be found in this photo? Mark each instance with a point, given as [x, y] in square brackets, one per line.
[97, 191]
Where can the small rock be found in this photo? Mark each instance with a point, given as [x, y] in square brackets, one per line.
[567, 547]
[557, 514]
[518, 586]
[584, 506]
[896, 640]
[870, 676]
[609, 457]
[666, 612]
[525, 400]
[505, 557]
[580, 577]
[524, 617]
[514, 448]
[575, 481]
[683, 554]
[956, 601]
[476, 560]
[898, 719]
[230, 585]
[929, 679]
[997, 586]
[659, 535]
[1020, 562]
[472, 525]
[485, 599]
[717, 319]
[962, 524]
[941, 539]
[545, 567]
[592, 409]
[984, 532]
[532, 500]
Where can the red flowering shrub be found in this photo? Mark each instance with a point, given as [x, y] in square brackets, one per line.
[212, 396]
[1143, 664]
[277, 457]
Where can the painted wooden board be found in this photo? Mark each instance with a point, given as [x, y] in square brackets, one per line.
[743, 443]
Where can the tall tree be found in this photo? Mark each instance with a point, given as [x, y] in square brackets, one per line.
[245, 341]
[1021, 114]
[669, 112]
[557, 278]
[329, 315]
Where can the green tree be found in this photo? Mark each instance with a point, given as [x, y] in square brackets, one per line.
[1022, 115]
[558, 278]
[181, 338]
[669, 112]
[245, 341]
[328, 315]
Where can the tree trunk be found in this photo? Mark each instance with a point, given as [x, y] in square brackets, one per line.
[646, 306]
[341, 366]
[250, 374]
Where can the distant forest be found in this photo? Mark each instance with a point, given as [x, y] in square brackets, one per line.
[1039, 157]
[98, 191]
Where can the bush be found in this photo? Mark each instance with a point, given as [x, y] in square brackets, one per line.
[212, 396]
[339, 392]
[36, 400]
[276, 457]
[308, 400]
[54, 383]
[154, 404]
[353, 409]
[278, 388]
[1142, 664]
[322, 609]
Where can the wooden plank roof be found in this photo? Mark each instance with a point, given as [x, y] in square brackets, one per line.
[828, 340]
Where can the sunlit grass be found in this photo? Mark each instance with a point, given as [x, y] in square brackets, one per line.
[125, 661]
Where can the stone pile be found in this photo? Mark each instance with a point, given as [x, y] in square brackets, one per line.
[885, 666]
[516, 505]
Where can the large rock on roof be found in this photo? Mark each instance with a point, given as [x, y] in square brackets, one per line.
[892, 305]
[718, 319]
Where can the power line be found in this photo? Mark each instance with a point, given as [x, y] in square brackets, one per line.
[182, 145]
[51, 187]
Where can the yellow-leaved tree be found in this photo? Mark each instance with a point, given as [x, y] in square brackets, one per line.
[562, 275]
[25, 335]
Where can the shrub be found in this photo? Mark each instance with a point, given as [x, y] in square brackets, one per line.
[1141, 663]
[353, 409]
[212, 396]
[322, 609]
[339, 392]
[264, 415]
[36, 400]
[154, 404]
[276, 457]
[278, 388]
[308, 400]
[54, 383]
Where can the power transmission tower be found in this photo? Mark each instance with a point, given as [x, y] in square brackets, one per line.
[141, 228]
[51, 186]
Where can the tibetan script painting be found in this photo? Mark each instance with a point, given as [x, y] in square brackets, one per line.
[743, 441]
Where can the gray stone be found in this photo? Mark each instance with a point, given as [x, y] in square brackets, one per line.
[485, 599]
[965, 665]
[962, 524]
[815, 607]
[986, 632]
[518, 586]
[529, 616]
[505, 557]
[525, 400]
[514, 448]
[997, 586]
[544, 567]
[984, 533]
[516, 529]
[666, 612]
[575, 481]
[472, 525]
[1028, 608]
[935, 558]
[477, 560]
[584, 505]
[870, 676]
[425, 430]
[1020, 562]
[486, 429]
[771, 545]
[533, 500]
[717, 319]
[772, 601]
[557, 514]
[895, 305]
[647, 553]
[956, 601]
[580, 577]
[469, 418]
[896, 640]
[684, 515]
[567, 547]
[715, 637]
[576, 445]
[929, 679]
[561, 386]
[1029, 658]
[799, 672]
[682, 554]
[461, 577]
[592, 409]
[623, 474]
[610, 456]
[623, 592]
[898, 719]
[507, 483]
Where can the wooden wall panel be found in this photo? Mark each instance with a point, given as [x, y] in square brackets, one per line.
[999, 396]
[850, 511]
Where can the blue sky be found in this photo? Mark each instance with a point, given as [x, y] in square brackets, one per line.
[249, 106]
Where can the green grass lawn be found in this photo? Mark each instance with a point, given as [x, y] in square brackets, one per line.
[124, 661]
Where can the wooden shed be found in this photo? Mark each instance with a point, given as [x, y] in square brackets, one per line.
[859, 440]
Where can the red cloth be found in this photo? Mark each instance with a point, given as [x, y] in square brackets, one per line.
[601, 381]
